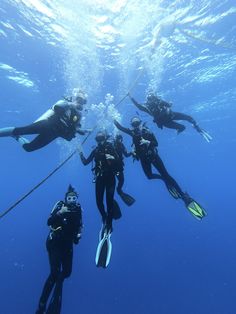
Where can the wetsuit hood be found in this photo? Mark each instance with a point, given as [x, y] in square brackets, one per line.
[71, 195]
[101, 137]
[135, 122]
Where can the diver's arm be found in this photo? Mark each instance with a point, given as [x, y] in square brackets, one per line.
[139, 106]
[82, 132]
[54, 217]
[79, 226]
[122, 128]
[87, 161]
[150, 139]
[153, 139]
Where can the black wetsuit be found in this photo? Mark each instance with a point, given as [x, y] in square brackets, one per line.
[62, 121]
[164, 116]
[65, 229]
[105, 172]
[121, 151]
[148, 156]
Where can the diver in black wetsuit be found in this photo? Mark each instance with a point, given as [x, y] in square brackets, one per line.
[66, 225]
[62, 120]
[163, 116]
[105, 169]
[145, 144]
[122, 151]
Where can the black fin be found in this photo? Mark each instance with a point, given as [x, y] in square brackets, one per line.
[127, 199]
[116, 212]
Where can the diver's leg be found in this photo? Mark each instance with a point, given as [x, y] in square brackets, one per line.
[121, 180]
[174, 125]
[203, 133]
[126, 198]
[100, 190]
[66, 263]
[147, 168]
[56, 300]
[183, 116]
[67, 260]
[169, 181]
[39, 142]
[110, 190]
[55, 264]
[34, 128]
[46, 135]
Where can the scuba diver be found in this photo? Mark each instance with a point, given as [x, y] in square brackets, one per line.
[62, 120]
[105, 170]
[145, 144]
[65, 224]
[163, 116]
[121, 151]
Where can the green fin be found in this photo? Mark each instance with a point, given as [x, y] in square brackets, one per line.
[196, 210]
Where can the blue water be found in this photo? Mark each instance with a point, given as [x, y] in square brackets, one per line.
[163, 261]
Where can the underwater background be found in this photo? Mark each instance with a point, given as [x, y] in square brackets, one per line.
[163, 261]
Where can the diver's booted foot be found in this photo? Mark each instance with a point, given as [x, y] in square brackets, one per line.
[126, 198]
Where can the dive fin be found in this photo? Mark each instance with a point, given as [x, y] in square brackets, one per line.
[6, 131]
[196, 210]
[127, 199]
[21, 140]
[206, 136]
[116, 212]
[203, 133]
[104, 249]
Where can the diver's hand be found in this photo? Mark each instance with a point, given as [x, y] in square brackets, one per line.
[109, 156]
[89, 131]
[75, 119]
[144, 142]
[64, 209]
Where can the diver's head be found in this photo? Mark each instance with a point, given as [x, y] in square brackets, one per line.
[80, 98]
[151, 98]
[151, 101]
[71, 196]
[135, 122]
[119, 138]
[101, 137]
